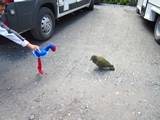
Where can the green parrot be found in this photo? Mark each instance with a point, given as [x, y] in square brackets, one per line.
[102, 63]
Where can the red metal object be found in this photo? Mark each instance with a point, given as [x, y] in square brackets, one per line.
[39, 67]
[8, 1]
[41, 53]
[54, 49]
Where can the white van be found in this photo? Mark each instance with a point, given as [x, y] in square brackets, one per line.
[150, 10]
[38, 16]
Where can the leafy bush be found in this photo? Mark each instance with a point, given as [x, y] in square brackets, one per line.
[121, 2]
[133, 2]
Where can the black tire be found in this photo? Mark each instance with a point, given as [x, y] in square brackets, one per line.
[137, 11]
[45, 25]
[157, 31]
[91, 6]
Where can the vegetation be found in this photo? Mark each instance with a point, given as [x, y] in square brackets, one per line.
[121, 2]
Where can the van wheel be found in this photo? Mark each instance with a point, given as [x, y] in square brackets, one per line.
[91, 6]
[45, 25]
[157, 30]
[137, 11]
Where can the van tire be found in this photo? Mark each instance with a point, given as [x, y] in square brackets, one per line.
[157, 31]
[45, 25]
[137, 11]
[91, 6]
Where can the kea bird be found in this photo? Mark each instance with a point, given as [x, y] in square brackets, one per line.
[102, 63]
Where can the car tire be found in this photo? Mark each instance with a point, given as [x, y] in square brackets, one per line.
[91, 6]
[45, 25]
[137, 11]
[157, 31]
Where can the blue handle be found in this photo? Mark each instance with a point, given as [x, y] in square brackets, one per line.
[44, 51]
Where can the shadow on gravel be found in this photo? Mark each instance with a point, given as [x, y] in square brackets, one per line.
[148, 25]
[99, 72]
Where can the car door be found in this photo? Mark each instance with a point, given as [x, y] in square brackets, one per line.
[24, 12]
[66, 5]
[155, 2]
[82, 2]
[10, 18]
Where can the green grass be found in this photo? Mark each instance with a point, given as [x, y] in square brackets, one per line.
[121, 2]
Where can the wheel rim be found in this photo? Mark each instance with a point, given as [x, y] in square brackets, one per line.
[46, 25]
[157, 30]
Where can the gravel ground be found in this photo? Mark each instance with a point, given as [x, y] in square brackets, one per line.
[72, 88]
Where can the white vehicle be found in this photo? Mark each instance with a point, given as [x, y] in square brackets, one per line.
[39, 16]
[150, 10]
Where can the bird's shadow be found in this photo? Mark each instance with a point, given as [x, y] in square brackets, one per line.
[101, 72]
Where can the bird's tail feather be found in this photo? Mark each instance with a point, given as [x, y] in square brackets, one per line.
[112, 68]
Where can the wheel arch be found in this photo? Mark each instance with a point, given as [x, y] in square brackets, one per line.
[51, 4]
[155, 14]
[156, 29]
